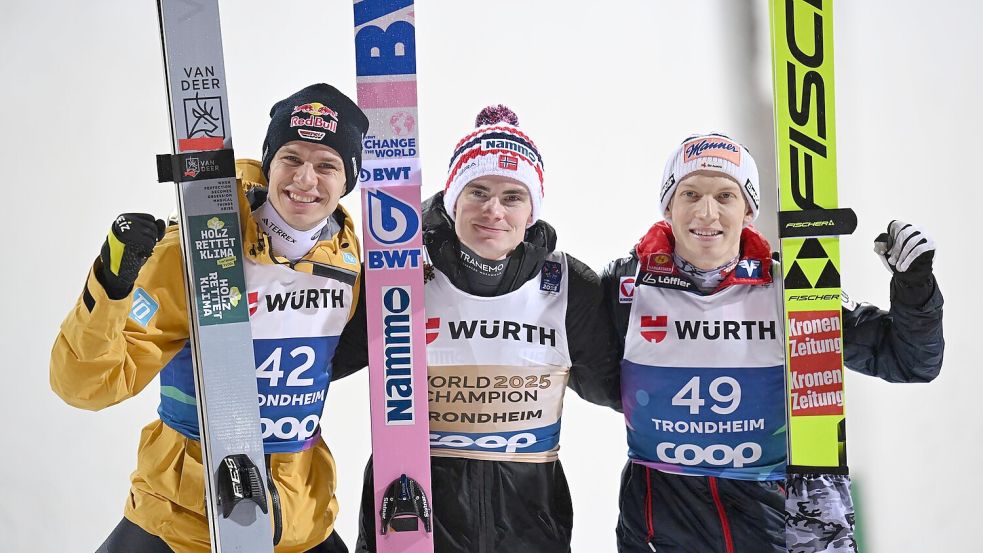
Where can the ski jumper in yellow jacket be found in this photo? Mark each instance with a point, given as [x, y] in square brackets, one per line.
[303, 335]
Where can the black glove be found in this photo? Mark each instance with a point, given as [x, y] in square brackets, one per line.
[906, 251]
[129, 244]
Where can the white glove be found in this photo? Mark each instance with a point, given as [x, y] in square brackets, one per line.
[906, 250]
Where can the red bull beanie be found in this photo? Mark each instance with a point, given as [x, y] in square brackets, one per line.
[712, 152]
[495, 147]
[320, 114]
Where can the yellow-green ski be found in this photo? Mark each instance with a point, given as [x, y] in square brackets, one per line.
[810, 221]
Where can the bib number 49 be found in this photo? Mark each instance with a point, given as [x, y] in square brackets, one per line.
[725, 390]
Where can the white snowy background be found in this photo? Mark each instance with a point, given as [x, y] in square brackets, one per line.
[606, 89]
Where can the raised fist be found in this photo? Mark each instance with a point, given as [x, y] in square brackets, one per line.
[906, 250]
[129, 244]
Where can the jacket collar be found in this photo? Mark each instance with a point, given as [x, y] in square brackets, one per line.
[444, 248]
[654, 252]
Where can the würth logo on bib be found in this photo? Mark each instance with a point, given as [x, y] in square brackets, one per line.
[433, 329]
[315, 298]
[496, 330]
[654, 328]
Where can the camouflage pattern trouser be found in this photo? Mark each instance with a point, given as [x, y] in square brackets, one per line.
[819, 515]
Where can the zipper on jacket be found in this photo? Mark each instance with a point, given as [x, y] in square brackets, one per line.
[724, 524]
[649, 516]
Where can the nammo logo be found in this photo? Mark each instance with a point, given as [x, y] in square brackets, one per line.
[654, 328]
[391, 222]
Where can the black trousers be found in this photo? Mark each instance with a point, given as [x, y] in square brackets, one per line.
[130, 538]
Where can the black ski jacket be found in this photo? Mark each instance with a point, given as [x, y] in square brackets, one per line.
[676, 513]
[499, 506]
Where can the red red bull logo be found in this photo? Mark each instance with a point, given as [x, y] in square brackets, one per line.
[316, 108]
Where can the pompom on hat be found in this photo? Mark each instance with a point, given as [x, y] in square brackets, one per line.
[712, 152]
[495, 147]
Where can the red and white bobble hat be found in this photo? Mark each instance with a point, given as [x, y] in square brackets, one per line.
[495, 147]
[712, 152]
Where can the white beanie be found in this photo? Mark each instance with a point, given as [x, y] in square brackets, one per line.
[712, 152]
[495, 147]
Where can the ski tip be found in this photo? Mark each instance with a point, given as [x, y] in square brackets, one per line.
[496, 114]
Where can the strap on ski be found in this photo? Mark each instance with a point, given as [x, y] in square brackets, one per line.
[810, 221]
[187, 167]
[239, 480]
[404, 504]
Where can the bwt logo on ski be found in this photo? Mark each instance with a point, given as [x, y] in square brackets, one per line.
[398, 354]
[493, 330]
[655, 329]
[392, 223]
[384, 174]
[314, 298]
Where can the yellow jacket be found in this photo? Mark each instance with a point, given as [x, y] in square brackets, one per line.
[103, 356]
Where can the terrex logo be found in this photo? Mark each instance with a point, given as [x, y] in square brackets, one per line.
[433, 329]
[654, 328]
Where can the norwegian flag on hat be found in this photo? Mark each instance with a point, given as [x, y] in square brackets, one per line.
[508, 162]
